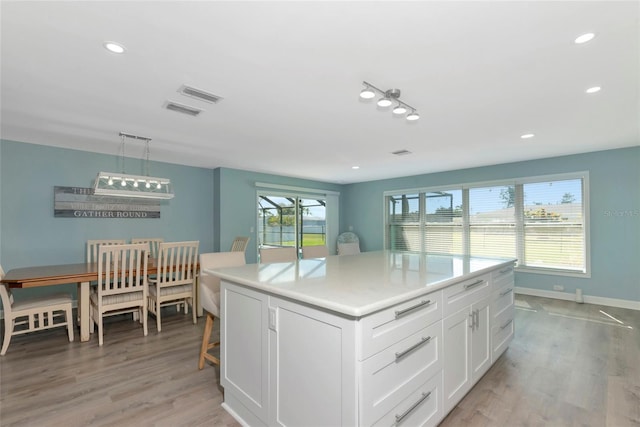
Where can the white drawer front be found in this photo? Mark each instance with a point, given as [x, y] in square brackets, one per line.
[393, 374]
[383, 329]
[502, 332]
[423, 407]
[463, 294]
[502, 273]
[502, 299]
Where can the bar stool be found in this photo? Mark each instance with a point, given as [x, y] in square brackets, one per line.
[210, 297]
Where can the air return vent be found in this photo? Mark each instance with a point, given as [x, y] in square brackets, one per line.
[181, 108]
[401, 152]
[199, 94]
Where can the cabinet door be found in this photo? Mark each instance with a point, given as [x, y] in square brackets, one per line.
[456, 349]
[312, 367]
[243, 352]
[480, 339]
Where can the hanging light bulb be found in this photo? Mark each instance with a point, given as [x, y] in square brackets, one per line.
[123, 183]
[147, 184]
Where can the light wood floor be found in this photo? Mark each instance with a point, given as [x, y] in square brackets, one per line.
[569, 365]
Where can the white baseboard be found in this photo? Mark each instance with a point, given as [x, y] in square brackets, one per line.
[588, 299]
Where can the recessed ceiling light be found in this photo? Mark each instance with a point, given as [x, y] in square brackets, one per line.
[355, 167]
[527, 136]
[593, 89]
[114, 47]
[584, 38]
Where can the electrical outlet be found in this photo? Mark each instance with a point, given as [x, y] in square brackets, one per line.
[558, 288]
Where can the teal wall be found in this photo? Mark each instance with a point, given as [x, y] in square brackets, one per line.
[30, 234]
[214, 206]
[614, 177]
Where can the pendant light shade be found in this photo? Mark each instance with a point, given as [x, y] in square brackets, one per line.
[125, 185]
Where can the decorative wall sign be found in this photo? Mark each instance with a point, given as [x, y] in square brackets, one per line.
[80, 202]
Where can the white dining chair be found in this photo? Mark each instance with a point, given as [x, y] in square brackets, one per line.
[153, 242]
[210, 297]
[122, 285]
[316, 251]
[174, 283]
[93, 246]
[34, 314]
[287, 254]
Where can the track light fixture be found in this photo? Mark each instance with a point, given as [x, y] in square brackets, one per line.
[389, 97]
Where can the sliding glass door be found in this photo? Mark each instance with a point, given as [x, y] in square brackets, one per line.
[291, 221]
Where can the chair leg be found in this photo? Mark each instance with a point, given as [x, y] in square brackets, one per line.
[70, 323]
[8, 331]
[157, 309]
[100, 340]
[144, 316]
[193, 311]
[208, 328]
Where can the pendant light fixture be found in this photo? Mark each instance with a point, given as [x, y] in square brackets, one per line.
[125, 185]
[389, 97]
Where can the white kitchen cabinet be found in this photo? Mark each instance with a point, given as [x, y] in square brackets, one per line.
[244, 354]
[502, 311]
[467, 349]
[350, 343]
[313, 374]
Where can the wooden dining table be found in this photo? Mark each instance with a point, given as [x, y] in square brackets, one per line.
[82, 274]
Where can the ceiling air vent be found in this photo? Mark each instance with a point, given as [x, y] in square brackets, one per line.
[181, 108]
[199, 94]
[401, 152]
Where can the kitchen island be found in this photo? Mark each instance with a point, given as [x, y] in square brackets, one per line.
[379, 338]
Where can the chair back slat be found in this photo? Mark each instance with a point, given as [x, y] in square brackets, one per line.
[122, 268]
[177, 263]
[153, 242]
[93, 247]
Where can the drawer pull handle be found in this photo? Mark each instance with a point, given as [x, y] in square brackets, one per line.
[505, 270]
[401, 417]
[422, 342]
[506, 292]
[471, 285]
[423, 303]
[506, 324]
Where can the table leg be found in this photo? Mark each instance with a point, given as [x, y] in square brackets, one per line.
[83, 310]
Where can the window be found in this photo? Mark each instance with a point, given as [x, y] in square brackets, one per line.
[541, 221]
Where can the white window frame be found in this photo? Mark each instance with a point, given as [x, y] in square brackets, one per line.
[519, 207]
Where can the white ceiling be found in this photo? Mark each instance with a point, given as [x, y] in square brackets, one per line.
[480, 74]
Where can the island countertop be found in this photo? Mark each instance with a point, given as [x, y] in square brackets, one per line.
[358, 285]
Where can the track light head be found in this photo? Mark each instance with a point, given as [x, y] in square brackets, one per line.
[384, 102]
[412, 116]
[399, 109]
[367, 93]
